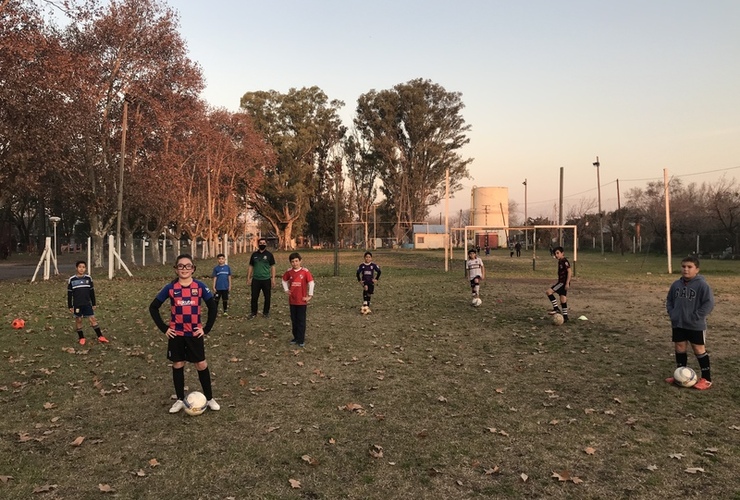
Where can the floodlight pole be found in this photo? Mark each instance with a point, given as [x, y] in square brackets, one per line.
[601, 215]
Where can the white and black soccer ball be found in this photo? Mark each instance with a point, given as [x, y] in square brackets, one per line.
[195, 403]
[557, 319]
[476, 302]
[685, 376]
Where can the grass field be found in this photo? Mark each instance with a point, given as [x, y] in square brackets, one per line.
[426, 397]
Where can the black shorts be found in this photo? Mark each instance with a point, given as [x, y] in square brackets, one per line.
[559, 288]
[370, 288]
[192, 349]
[475, 281]
[694, 336]
[84, 311]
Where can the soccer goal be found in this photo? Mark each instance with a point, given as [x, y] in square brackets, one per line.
[539, 238]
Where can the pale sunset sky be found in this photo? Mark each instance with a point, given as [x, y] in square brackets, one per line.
[645, 85]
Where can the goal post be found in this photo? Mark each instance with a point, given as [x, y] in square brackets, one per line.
[473, 230]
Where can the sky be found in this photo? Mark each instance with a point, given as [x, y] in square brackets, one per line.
[645, 85]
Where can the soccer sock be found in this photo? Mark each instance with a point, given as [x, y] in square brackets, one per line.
[97, 331]
[178, 379]
[682, 359]
[476, 289]
[564, 308]
[80, 334]
[703, 360]
[554, 302]
[205, 382]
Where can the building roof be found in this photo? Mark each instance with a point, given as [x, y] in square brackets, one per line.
[428, 229]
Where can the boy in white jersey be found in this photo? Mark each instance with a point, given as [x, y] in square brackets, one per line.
[475, 272]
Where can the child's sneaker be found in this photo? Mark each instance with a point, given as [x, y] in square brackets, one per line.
[82, 341]
[703, 384]
[211, 403]
[177, 406]
[103, 340]
[670, 380]
[226, 313]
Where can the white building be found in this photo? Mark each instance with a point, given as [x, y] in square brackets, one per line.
[489, 206]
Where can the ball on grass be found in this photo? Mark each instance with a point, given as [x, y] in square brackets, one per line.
[557, 319]
[685, 376]
[195, 403]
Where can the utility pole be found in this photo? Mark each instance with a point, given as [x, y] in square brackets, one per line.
[124, 126]
[525, 215]
[601, 215]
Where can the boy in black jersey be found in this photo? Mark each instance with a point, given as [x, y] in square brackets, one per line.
[367, 275]
[81, 301]
[565, 273]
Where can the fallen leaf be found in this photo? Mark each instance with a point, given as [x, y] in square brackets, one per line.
[561, 476]
[376, 451]
[332, 441]
[5, 479]
[272, 429]
[105, 488]
[78, 441]
[294, 483]
[588, 411]
[243, 382]
[500, 390]
[422, 433]
[492, 470]
[694, 470]
[49, 406]
[589, 450]
[300, 363]
[442, 399]
[44, 488]
[153, 462]
[140, 473]
[310, 460]
[677, 456]
[576, 480]
[352, 407]
[617, 400]
[524, 477]
[652, 467]
[434, 472]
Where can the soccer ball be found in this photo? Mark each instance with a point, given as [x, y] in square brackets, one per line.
[365, 310]
[18, 323]
[476, 302]
[195, 403]
[557, 319]
[685, 376]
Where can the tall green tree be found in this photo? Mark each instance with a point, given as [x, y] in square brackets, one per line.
[414, 132]
[303, 127]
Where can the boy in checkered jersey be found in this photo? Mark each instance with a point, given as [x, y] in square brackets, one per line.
[185, 331]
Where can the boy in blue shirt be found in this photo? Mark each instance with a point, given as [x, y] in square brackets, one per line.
[222, 282]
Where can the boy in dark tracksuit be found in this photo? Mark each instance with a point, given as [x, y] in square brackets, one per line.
[81, 302]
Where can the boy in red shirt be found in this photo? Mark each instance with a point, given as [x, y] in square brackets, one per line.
[298, 284]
